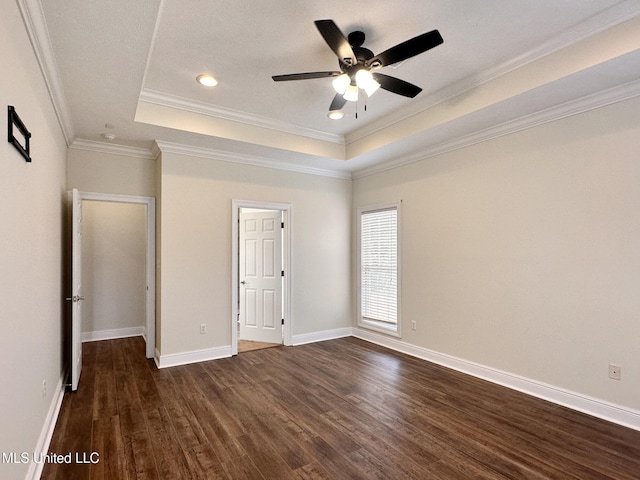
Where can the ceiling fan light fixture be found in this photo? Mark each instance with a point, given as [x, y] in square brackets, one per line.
[372, 87]
[335, 114]
[340, 83]
[207, 80]
[363, 78]
[365, 81]
[351, 95]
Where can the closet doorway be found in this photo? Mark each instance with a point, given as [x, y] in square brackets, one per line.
[117, 246]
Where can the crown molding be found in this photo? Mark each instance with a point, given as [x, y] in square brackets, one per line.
[558, 112]
[176, 148]
[575, 107]
[605, 20]
[114, 149]
[173, 101]
[36, 26]
[159, 147]
[594, 25]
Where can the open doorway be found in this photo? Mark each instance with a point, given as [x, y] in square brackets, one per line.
[260, 275]
[118, 267]
[74, 284]
[114, 237]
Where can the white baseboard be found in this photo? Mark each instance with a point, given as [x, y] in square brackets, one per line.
[583, 403]
[592, 406]
[175, 359]
[42, 447]
[322, 336]
[113, 333]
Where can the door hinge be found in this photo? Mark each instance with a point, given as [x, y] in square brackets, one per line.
[283, 321]
[281, 224]
[282, 273]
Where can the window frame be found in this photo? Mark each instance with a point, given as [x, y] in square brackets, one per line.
[380, 326]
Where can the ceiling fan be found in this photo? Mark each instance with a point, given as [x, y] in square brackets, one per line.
[358, 65]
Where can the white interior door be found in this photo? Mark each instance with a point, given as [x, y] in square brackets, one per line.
[260, 275]
[76, 290]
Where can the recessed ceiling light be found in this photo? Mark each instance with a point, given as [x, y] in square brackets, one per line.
[335, 114]
[109, 136]
[207, 80]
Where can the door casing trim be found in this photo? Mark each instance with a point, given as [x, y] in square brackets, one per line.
[286, 208]
[150, 306]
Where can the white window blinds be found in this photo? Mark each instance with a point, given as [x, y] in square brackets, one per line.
[379, 265]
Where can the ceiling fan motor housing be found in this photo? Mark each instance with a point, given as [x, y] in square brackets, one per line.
[356, 39]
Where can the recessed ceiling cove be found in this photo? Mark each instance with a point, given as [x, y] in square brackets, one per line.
[133, 65]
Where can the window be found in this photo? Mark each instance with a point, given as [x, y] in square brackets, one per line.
[378, 262]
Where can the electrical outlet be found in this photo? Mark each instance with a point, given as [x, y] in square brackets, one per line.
[44, 389]
[413, 325]
[203, 328]
[615, 371]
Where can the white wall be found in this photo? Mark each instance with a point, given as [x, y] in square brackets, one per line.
[195, 252]
[94, 171]
[523, 253]
[104, 172]
[32, 196]
[114, 239]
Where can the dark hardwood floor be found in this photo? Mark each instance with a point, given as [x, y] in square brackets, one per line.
[343, 409]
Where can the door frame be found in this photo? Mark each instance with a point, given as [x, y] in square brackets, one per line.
[236, 205]
[150, 305]
[75, 290]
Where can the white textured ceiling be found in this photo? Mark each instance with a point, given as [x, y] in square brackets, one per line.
[129, 68]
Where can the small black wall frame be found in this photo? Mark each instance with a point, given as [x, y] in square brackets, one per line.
[14, 121]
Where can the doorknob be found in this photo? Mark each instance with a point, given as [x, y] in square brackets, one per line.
[243, 282]
[75, 298]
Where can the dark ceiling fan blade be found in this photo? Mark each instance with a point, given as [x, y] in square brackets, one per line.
[336, 40]
[304, 76]
[337, 103]
[395, 85]
[407, 49]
